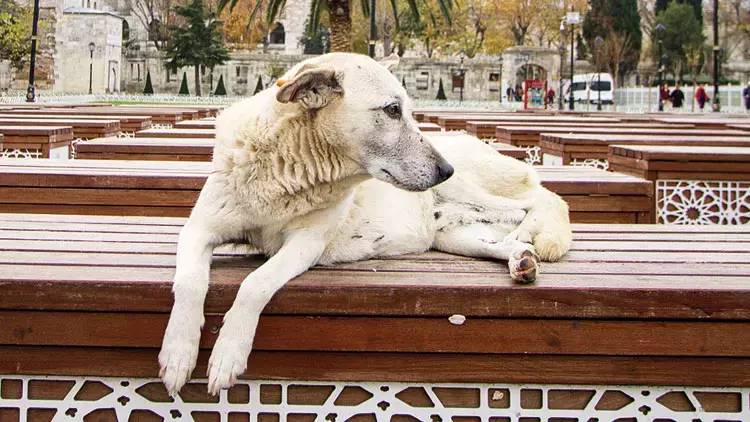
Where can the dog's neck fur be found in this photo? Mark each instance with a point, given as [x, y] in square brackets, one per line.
[285, 164]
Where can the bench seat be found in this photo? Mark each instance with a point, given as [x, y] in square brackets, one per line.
[87, 297]
[36, 141]
[127, 123]
[162, 188]
[693, 184]
[82, 128]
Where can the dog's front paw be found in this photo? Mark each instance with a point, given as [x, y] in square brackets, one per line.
[179, 349]
[524, 266]
[520, 235]
[228, 361]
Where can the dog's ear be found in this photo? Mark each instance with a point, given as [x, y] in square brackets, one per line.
[391, 61]
[311, 87]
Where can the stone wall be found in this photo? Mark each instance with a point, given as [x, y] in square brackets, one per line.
[420, 76]
[79, 27]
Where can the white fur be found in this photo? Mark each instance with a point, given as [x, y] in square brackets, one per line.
[306, 172]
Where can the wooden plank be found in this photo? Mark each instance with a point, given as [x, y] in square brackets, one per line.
[416, 367]
[404, 335]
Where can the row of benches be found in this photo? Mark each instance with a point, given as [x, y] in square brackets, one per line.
[645, 321]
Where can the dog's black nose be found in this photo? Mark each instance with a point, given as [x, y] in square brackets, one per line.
[445, 171]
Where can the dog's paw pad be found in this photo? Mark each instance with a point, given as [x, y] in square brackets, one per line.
[524, 268]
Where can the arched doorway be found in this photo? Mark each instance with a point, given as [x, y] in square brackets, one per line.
[530, 71]
[277, 35]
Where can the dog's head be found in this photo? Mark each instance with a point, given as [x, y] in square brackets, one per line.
[368, 111]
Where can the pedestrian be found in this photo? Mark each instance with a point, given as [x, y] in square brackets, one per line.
[509, 93]
[663, 95]
[518, 92]
[550, 97]
[701, 97]
[746, 96]
[677, 97]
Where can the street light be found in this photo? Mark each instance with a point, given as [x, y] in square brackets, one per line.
[598, 42]
[572, 18]
[30, 90]
[660, 28]
[717, 103]
[92, 46]
[561, 50]
[373, 30]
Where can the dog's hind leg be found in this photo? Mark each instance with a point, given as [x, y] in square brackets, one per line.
[482, 241]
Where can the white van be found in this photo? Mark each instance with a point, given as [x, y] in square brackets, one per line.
[589, 87]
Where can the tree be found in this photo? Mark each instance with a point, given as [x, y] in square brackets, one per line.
[155, 16]
[697, 5]
[338, 13]
[220, 89]
[198, 42]
[682, 34]
[183, 85]
[15, 33]
[441, 92]
[619, 24]
[148, 89]
[259, 85]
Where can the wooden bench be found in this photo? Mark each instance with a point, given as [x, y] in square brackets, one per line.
[176, 133]
[459, 122]
[693, 185]
[740, 127]
[486, 130]
[636, 319]
[705, 122]
[202, 111]
[158, 149]
[36, 142]
[163, 117]
[161, 188]
[127, 123]
[82, 128]
[196, 124]
[591, 149]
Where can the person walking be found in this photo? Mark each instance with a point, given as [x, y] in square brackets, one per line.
[664, 94]
[746, 96]
[677, 97]
[701, 97]
[549, 98]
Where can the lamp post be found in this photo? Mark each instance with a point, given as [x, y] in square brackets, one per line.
[598, 42]
[92, 46]
[462, 73]
[561, 50]
[30, 90]
[660, 28]
[373, 29]
[716, 106]
[572, 18]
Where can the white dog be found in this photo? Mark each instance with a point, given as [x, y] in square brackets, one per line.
[327, 167]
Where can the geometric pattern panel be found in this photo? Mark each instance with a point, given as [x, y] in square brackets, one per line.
[20, 153]
[533, 155]
[599, 163]
[702, 202]
[40, 398]
[161, 126]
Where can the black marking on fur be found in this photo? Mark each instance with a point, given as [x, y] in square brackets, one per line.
[437, 214]
[357, 236]
[379, 238]
[488, 241]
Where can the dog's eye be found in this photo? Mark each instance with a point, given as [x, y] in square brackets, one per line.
[393, 110]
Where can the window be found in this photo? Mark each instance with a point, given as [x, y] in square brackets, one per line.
[237, 71]
[601, 86]
[579, 86]
[277, 36]
[494, 80]
[423, 81]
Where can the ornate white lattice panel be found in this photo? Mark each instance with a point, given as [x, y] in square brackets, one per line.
[702, 202]
[161, 126]
[123, 134]
[533, 155]
[599, 163]
[73, 145]
[20, 153]
[24, 398]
